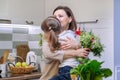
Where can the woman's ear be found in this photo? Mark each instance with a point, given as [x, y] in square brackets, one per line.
[70, 19]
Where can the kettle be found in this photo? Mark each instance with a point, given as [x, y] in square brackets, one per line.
[3, 68]
[31, 57]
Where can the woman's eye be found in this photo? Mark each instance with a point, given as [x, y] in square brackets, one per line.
[60, 16]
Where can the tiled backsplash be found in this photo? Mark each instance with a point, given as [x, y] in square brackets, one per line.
[12, 35]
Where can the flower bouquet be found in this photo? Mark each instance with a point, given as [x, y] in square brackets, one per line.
[91, 41]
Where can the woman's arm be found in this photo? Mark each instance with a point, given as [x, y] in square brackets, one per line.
[82, 52]
[69, 44]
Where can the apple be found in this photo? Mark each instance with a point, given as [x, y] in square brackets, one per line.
[24, 64]
[18, 64]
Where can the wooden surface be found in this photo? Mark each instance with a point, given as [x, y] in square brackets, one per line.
[33, 75]
[22, 51]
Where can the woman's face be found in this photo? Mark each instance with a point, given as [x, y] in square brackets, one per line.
[63, 18]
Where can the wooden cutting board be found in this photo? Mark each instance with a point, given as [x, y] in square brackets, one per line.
[22, 51]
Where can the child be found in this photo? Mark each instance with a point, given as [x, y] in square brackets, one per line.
[51, 28]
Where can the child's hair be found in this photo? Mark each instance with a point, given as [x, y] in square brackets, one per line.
[52, 26]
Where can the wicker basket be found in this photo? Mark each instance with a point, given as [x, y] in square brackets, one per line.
[21, 70]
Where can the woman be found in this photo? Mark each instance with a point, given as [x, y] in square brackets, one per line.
[68, 23]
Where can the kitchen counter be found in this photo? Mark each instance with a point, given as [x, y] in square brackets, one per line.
[10, 76]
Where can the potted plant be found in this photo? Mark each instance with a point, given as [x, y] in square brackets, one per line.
[91, 70]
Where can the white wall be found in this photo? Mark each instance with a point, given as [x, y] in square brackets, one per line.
[83, 9]
[3, 9]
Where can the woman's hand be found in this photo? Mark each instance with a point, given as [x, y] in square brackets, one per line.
[69, 44]
[82, 52]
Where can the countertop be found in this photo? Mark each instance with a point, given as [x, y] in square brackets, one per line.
[10, 76]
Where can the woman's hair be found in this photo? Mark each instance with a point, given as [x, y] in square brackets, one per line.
[52, 26]
[73, 25]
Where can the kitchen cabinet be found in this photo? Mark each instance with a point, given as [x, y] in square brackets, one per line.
[22, 11]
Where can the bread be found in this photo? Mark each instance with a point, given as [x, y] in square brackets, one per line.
[1, 60]
[5, 56]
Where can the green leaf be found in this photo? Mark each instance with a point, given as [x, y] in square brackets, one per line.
[98, 78]
[106, 72]
[91, 70]
[40, 41]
